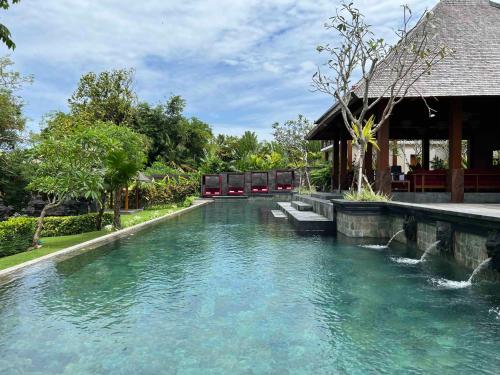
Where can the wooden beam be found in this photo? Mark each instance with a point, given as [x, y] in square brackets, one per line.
[456, 173]
[335, 164]
[383, 178]
[349, 155]
[126, 198]
[369, 162]
[426, 153]
[343, 165]
[394, 149]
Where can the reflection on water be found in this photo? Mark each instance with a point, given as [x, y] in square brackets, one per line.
[229, 289]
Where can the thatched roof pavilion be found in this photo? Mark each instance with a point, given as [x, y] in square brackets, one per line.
[464, 89]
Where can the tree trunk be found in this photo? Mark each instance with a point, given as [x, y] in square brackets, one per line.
[360, 167]
[117, 222]
[39, 224]
[100, 213]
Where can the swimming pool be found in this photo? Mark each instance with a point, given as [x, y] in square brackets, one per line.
[229, 289]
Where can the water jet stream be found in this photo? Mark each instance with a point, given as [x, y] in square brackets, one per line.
[450, 284]
[416, 261]
[379, 247]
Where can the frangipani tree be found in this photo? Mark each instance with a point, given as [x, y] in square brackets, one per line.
[291, 137]
[65, 168]
[359, 56]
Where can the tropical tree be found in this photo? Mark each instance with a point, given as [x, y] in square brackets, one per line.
[5, 35]
[395, 69]
[291, 135]
[65, 167]
[248, 143]
[124, 158]
[107, 96]
[175, 139]
[12, 120]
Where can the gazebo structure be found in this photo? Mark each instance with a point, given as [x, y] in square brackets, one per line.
[463, 90]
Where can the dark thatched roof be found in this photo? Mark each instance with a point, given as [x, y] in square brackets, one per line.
[471, 29]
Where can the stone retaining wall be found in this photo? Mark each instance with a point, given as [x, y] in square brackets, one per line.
[469, 249]
[467, 243]
[376, 226]
[426, 235]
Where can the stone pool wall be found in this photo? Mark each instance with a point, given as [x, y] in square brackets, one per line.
[464, 239]
[469, 249]
[426, 235]
[376, 226]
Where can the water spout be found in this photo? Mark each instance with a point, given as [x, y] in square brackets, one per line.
[450, 284]
[428, 251]
[416, 261]
[380, 247]
[479, 268]
[393, 237]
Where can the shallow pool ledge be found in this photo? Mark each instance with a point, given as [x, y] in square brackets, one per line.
[100, 241]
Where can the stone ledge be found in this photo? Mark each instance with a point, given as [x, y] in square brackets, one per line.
[100, 241]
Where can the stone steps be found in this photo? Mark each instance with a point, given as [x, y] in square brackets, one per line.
[302, 206]
[306, 220]
[278, 214]
[320, 206]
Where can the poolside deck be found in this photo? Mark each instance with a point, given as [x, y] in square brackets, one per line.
[485, 211]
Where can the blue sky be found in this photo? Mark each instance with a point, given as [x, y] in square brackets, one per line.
[240, 64]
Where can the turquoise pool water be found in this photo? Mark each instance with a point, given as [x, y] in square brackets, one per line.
[227, 289]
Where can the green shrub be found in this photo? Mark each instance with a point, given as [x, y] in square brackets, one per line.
[170, 190]
[54, 226]
[16, 235]
[366, 195]
[322, 177]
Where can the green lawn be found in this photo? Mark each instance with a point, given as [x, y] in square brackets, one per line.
[53, 244]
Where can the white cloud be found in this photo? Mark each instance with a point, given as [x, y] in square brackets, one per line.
[239, 63]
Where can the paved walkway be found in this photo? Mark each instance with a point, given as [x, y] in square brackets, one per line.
[485, 211]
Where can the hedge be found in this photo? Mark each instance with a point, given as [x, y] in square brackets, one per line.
[54, 226]
[16, 235]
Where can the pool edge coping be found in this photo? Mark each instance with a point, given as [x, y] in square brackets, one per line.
[102, 240]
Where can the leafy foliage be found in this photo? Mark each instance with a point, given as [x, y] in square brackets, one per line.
[13, 178]
[5, 35]
[66, 166]
[175, 139]
[12, 120]
[15, 235]
[170, 190]
[366, 195]
[322, 177]
[291, 135]
[107, 97]
[54, 226]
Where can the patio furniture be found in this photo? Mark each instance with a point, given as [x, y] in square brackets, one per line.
[212, 185]
[236, 184]
[259, 182]
[284, 180]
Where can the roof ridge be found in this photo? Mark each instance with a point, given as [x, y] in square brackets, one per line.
[467, 2]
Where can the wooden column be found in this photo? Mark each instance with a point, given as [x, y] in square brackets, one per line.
[369, 162]
[455, 173]
[343, 164]
[126, 198]
[335, 164]
[349, 155]
[383, 178]
[394, 147]
[136, 198]
[426, 151]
